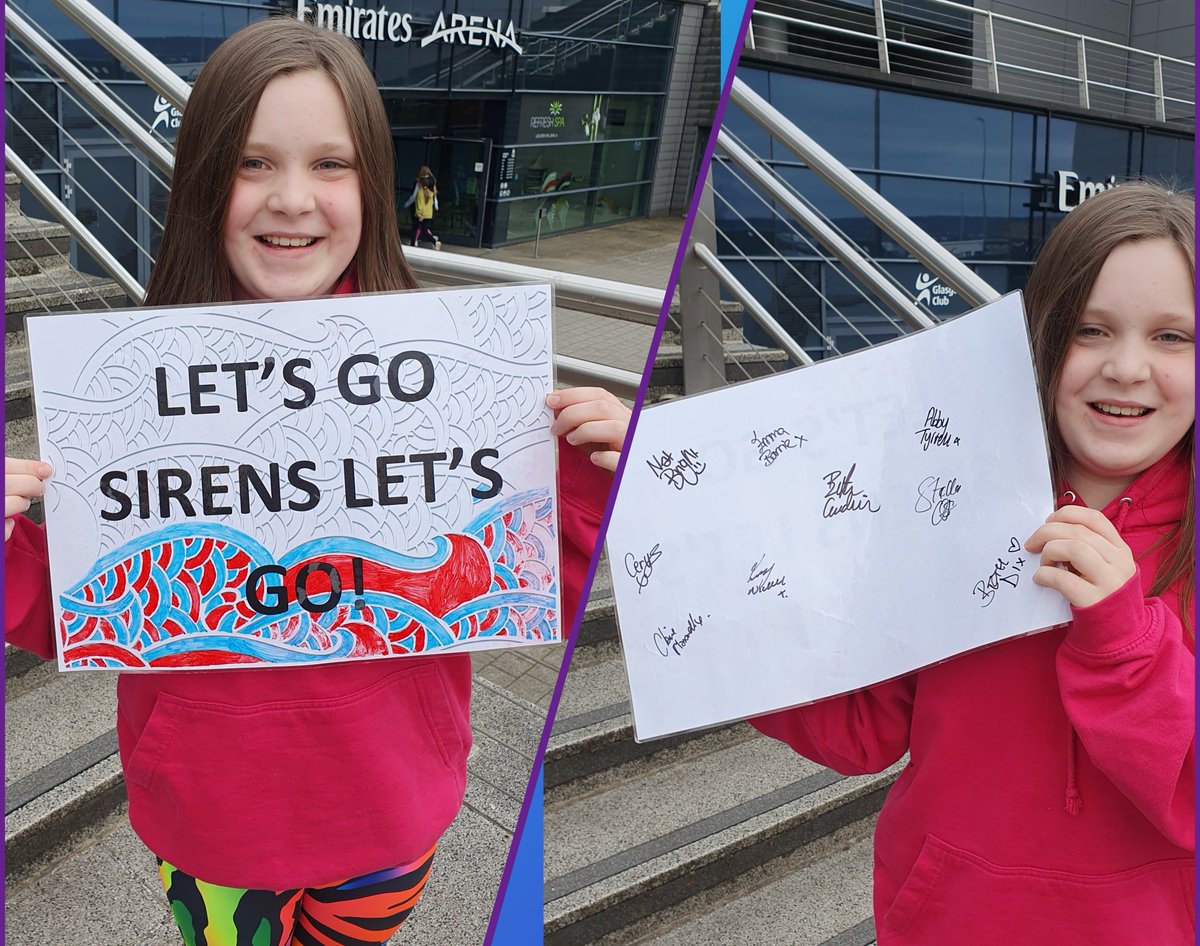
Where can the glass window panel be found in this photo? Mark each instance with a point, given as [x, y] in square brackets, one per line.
[930, 136]
[1094, 152]
[841, 117]
[567, 208]
[740, 125]
[94, 57]
[835, 208]
[1169, 159]
[180, 34]
[972, 220]
[31, 124]
[789, 294]
[852, 317]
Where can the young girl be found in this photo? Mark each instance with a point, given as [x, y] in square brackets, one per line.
[425, 196]
[1048, 797]
[296, 804]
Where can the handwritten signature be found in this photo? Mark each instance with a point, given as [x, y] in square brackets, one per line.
[774, 442]
[936, 432]
[640, 569]
[761, 582]
[841, 496]
[935, 497]
[1003, 572]
[667, 640]
[679, 473]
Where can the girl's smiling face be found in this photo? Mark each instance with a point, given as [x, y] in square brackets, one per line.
[1126, 396]
[294, 217]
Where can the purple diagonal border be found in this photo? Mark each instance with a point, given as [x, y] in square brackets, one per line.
[539, 757]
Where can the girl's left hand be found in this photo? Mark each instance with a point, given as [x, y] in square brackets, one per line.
[593, 420]
[1099, 560]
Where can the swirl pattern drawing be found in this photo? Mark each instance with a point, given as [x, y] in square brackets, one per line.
[177, 597]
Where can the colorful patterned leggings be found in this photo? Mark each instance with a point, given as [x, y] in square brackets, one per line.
[360, 912]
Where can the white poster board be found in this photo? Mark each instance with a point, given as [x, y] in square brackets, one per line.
[282, 483]
[831, 527]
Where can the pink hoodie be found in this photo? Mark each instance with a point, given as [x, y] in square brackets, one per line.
[1049, 794]
[286, 777]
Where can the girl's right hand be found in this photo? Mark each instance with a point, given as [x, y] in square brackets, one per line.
[23, 480]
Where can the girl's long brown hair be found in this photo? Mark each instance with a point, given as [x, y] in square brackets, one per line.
[1055, 297]
[191, 265]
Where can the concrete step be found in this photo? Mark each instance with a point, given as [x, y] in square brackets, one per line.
[63, 775]
[817, 896]
[592, 740]
[27, 238]
[658, 831]
[12, 190]
[59, 289]
[742, 363]
[61, 770]
[17, 400]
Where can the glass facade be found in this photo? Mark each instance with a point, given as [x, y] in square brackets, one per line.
[987, 181]
[527, 111]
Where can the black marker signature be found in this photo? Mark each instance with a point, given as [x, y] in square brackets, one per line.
[640, 569]
[774, 442]
[679, 473]
[667, 642]
[1003, 572]
[936, 432]
[841, 496]
[933, 495]
[761, 582]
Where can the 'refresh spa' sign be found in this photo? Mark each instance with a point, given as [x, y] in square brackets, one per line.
[283, 483]
[380, 23]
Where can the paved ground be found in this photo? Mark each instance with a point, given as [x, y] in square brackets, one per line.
[105, 892]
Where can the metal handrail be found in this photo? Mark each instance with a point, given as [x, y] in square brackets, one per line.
[878, 35]
[867, 201]
[571, 289]
[139, 60]
[845, 251]
[90, 90]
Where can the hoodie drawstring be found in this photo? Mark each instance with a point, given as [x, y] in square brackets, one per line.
[1074, 801]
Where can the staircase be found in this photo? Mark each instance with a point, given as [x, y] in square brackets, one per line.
[722, 836]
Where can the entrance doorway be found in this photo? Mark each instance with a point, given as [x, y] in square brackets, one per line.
[462, 168]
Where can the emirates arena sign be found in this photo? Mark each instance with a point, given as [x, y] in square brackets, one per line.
[381, 24]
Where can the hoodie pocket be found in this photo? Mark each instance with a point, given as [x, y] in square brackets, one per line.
[953, 896]
[388, 759]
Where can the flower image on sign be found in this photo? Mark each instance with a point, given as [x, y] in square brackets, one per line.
[280, 483]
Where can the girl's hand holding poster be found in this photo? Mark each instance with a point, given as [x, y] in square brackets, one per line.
[289, 482]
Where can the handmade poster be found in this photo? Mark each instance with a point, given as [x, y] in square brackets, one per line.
[834, 526]
[282, 483]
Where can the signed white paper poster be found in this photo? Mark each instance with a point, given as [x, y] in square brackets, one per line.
[282, 483]
[834, 526]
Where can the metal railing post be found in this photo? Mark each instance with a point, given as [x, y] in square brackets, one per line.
[993, 68]
[700, 321]
[1160, 102]
[1083, 75]
[885, 62]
